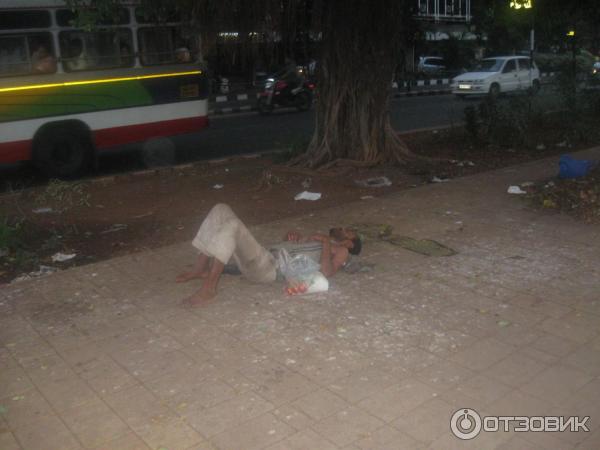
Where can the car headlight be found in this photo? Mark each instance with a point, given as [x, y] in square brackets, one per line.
[478, 81]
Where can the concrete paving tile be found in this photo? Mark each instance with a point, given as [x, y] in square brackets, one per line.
[14, 381]
[149, 365]
[8, 441]
[444, 343]
[189, 399]
[6, 360]
[427, 421]
[25, 408]
[586, 359]
[483, 389]
[587, 395]
[128, 441]
[576, 326]
[398, 399]
[518, 442]
[177, 382]
[557, 383]
[136, 406]
[168, 432]
[287, 389]
[94, 424]
[25, 352]
[46, 433]
[591, 441]
[515, 370]
[550, 441]
[65, 393]
[320, 404]
[444, 375]
[539, 355]
[363, 383]
[205, 445]
[293, 417]
[303, 440]
[347, 426]
[448, 441]
[482, 354]
[515, 334]
[257, 433]
[388, 438]
[519, 403]
[218, 418]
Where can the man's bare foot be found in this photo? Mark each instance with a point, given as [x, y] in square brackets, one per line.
[187, 276]
[202, 297]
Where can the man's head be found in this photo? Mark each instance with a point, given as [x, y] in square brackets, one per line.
[348, 238]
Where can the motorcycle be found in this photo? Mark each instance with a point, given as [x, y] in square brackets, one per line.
[280, 93]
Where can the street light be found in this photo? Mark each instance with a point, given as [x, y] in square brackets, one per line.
[527, 4]
[518, 4]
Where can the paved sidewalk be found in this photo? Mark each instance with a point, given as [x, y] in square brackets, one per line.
[102, 357]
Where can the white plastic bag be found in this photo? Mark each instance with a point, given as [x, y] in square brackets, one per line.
[297, 267]
[301, 273]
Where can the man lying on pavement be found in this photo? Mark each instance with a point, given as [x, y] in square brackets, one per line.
[223, 237]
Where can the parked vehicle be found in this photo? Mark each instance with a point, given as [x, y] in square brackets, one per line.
[66, 94]
[431, 65]
[280, 93]
[493, 76]
[594, 78]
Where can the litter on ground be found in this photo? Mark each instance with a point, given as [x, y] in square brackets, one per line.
[516, 190]
[62, 257]
[374, 182]
[42, 210]
[305, 195]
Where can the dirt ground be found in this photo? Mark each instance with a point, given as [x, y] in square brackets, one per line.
[106, 217]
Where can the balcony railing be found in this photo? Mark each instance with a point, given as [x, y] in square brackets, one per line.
[444, 10]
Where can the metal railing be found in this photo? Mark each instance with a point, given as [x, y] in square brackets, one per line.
[444, 10]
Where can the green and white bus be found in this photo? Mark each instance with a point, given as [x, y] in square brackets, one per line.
[66, 94]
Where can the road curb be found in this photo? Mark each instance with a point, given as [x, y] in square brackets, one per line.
[245, 108]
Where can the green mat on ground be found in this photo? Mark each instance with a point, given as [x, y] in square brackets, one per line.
[384, 232]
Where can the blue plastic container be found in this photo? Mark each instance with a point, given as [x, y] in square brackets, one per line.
[574, 168]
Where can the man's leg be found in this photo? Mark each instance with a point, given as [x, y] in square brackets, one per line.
[200, 270]
[208, 291]
[223, 236]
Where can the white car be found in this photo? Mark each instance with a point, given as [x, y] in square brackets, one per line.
[498, 75]
[431, 65]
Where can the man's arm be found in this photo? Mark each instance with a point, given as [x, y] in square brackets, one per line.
[292, 236]
[331, 262]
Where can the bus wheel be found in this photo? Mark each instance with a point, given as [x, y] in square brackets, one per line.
[62, 149]
[158, 152]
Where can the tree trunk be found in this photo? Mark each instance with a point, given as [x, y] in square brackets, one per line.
[360, 50]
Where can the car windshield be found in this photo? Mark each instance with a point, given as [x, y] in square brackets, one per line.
[488, 65]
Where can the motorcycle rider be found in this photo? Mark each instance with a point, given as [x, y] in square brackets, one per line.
[290, 74]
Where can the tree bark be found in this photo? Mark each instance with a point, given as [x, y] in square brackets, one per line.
[361, 47]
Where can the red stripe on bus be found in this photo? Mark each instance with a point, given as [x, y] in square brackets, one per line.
[12, 152]
[110, 137]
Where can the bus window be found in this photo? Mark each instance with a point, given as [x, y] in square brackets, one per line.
[163, 45]
[146, 16]
[14, 20]
[66, 18]
[23, 54]
[101, 49]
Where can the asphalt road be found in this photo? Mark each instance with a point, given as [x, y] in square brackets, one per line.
[250, 132]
